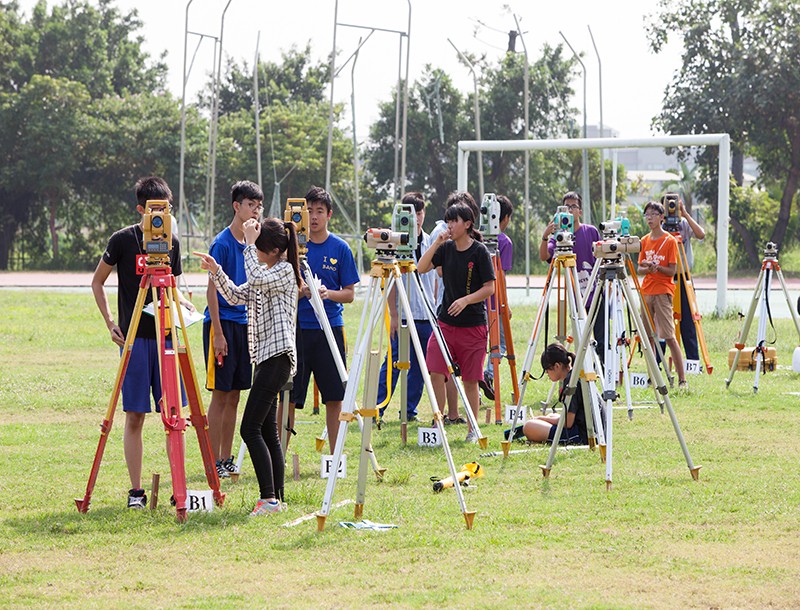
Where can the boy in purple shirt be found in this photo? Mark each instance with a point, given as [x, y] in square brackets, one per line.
[585, 236]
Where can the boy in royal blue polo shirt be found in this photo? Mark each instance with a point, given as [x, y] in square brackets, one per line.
[331, 260]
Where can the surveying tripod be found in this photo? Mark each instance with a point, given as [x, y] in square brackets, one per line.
[384, 267]
[175, 364]
[563, 275]
[769, 265]
[684, 289]
[612, 282]
[498, 314]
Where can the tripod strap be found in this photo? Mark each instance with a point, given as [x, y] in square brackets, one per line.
[769, 310]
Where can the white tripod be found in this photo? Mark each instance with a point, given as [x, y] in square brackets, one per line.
[564, 261]
[384, 267]
[761, 297]
[612, 280]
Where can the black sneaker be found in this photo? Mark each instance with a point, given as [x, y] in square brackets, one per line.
[229, 465]
[518, 433]
[222, 473]
[487, 385]
[137, 499]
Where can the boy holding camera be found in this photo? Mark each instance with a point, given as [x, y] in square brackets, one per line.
[142, 377]
[331, 260]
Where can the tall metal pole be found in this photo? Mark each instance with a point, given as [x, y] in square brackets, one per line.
[527, 202]
[602, 135]
[256, 109]
[330, 110]
[477, 109]
[396, 193]
[587, 200]
[215, 125]
[355, 155]
[181, 192]
[405, 106]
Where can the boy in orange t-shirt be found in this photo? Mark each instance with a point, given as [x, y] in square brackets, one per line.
[658, 262]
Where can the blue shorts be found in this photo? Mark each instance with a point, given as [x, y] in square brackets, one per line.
[314, 356]
[143, 379]
[569, 436]
[236, 372]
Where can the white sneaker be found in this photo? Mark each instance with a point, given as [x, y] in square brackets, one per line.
[472, 437]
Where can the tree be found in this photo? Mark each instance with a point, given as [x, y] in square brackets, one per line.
[739, 75]
[52, 68]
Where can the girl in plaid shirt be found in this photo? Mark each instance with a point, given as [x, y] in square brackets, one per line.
[271, 261]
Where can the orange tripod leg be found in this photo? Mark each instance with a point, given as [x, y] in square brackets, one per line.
[199, 418]
[105, 427]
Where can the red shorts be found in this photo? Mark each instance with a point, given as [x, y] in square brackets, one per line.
[467, 346]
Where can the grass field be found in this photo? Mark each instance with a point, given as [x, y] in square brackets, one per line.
[657, 539]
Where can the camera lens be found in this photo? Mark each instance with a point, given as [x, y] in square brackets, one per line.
[404, 220]
[157, 222]
[296, 217]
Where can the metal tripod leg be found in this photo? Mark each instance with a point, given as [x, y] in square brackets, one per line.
[656, 376]
[754, 301]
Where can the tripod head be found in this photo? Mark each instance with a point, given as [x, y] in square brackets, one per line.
[156, 236]
[297, 212]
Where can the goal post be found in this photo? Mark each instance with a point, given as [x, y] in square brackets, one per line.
[722, 140]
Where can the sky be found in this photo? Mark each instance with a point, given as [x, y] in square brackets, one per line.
[633, 78]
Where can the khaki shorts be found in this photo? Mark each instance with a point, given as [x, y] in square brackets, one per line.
[660, 306]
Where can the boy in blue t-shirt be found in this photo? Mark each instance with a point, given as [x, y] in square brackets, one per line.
[331, 260]
[228, 367]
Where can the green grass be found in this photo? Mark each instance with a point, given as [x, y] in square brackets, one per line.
[657, 539]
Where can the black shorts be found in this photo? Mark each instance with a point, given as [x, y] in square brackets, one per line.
[236, 372]
[314, 356]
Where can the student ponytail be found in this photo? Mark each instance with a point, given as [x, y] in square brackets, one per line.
[555, 353]
[281, 235]
[293, 251]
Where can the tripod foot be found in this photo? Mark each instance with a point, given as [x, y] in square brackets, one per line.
[709, 369]
[608, 485]
[695, 472]
[82, 504]
[358, 511]
[319, 443]
[234, 477]
[483, 442]
[219, 498]
[180, 515]
[469, 517]
[505, 445]
[545, 471]
[321, 522]
[602, 453]
[379, 473]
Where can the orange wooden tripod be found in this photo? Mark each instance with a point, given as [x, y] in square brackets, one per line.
[499, 314]
[175, 363]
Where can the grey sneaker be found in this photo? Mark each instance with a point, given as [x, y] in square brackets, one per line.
[472, 437]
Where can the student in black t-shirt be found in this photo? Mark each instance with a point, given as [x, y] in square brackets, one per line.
[468, 278]
[142, 377]
[557, 362]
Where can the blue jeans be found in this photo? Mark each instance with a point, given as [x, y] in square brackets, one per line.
[415, 382]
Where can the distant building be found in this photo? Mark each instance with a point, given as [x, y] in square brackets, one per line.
[648, 166]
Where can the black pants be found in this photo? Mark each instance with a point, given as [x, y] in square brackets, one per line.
[259, 429]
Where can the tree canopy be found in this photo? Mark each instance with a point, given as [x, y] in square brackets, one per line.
[739, 75]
